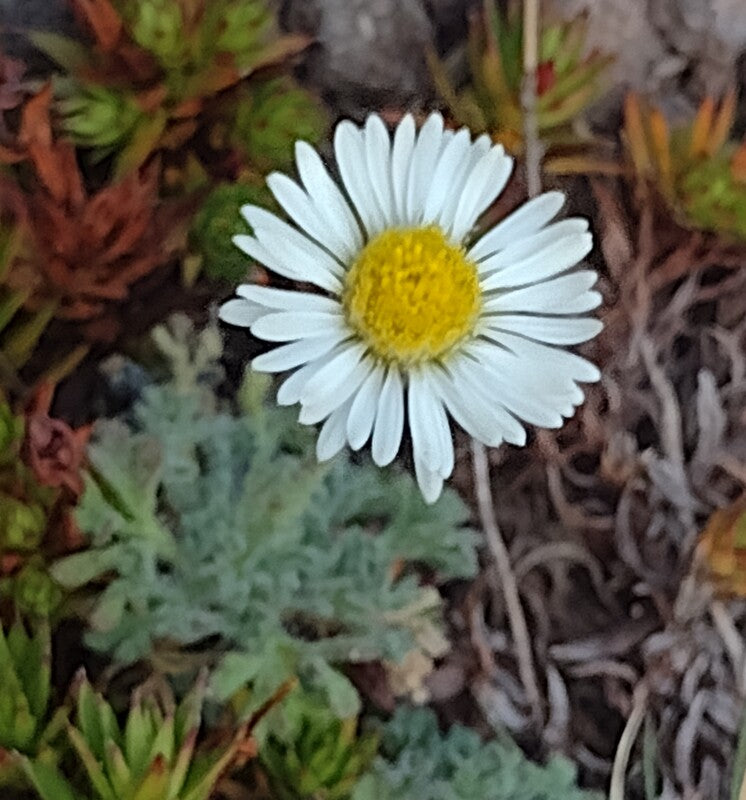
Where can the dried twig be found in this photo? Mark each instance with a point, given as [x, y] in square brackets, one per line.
[507, 580]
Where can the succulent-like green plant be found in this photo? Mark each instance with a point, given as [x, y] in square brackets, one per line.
[695, 167]
[217, 529]
[152, 756]
[568, 80]
[319, 757]
[418, 760]
[157, 73]
[276, 114]
[98, 117]
[217, 222]
[26, 727]
[40, 459]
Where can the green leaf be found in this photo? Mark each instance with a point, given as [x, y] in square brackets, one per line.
[117, 769]
[48, 781]
[155, 783]
[69, 53]
[92, 765]
[89, 719]
[162, 747]
[342, 696]
[81, 568]
[205, 773]
[137, 738]
[143, 143]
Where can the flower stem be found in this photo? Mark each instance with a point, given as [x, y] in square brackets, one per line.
[508, 583]
[533, 148]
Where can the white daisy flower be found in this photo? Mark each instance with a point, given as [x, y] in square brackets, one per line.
[415, 320]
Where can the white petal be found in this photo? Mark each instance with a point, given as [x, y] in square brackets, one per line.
[301, 209]
[443, 428]
[494, 189]
[284, 326]
[297, 252]
[486, 180]
[349, 147]
[291, 389]
[423, 416]
[334, 383]
[389, 419]
[327, 197]
[269, 227]
[363, 410]
[404, 140]
[552, 361]
[552, 260]
[471, 413]
[450, 165]
[241, 312]
[332, 434]
[284, 300]
[474, 405]
[533, 381]
[525, 220]
[477, 151]
[529, 245]
[513, 389]
[429, 481]
[378, 160]
[256, 251]
[552, 330]
[566, 295]
[290, 356]
[424, 159]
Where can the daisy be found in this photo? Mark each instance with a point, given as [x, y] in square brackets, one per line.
[417, 318]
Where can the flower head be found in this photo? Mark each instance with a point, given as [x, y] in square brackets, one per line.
[417, 317]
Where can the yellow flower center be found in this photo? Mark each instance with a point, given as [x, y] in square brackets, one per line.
[412, 295]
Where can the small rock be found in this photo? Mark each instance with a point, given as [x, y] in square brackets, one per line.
[674, 51]
[369, 54]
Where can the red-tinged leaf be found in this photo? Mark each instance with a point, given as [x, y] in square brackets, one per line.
[701, 128]
[10, 156]
[102, 19]
[145, 141]
[634, 129]
[738, 164]
[36, 128]
[152, 99]
[545, 77]
[723, 123]
[189, 108]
